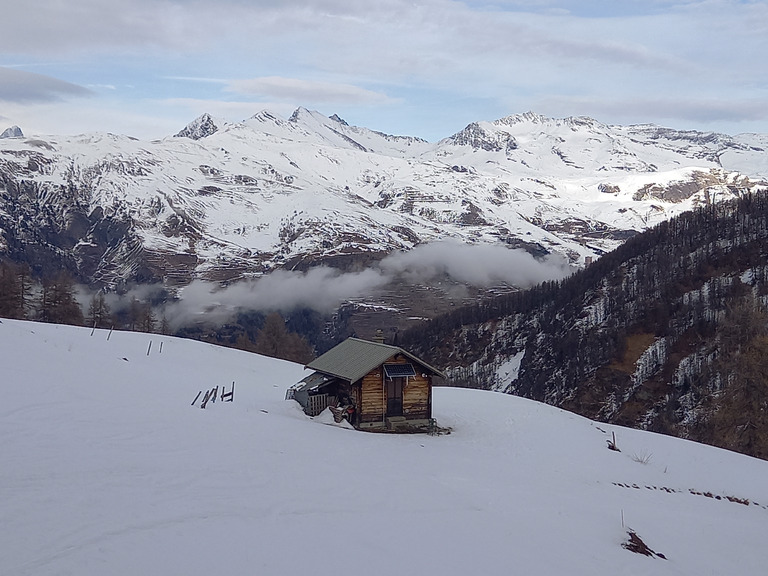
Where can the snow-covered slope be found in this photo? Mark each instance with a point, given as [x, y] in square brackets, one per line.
[231, 200]
[107, 468]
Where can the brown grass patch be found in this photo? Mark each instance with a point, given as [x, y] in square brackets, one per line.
[634, 346]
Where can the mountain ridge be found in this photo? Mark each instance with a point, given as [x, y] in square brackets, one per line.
[246, 198]
[667, 333]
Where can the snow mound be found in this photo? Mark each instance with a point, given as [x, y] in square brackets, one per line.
[326, 417]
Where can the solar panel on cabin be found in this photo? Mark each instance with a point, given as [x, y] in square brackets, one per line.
[399, 370]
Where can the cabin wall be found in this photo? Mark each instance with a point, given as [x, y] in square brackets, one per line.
[417, 399]
[372, 400]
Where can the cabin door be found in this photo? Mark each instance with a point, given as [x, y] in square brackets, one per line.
[394, 396]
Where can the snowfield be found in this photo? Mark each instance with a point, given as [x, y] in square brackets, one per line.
[252, 197]
[108, 469]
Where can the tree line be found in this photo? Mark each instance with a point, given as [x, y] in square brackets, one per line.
[54, 299]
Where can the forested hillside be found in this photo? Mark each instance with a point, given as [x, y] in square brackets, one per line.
[669, 332]
[56, 299]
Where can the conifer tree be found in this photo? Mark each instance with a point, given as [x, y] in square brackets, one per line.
[99, 312]
[276, 341]
[9, 292]
[147, 319]
[15, 290]
[57, 302]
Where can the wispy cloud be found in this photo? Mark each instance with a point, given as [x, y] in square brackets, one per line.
[236, 110]
[28, 87]
[701, 111]
[425, 67]
[221, 81]
[309, 91]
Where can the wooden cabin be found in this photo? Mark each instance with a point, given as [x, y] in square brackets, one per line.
[378, 385]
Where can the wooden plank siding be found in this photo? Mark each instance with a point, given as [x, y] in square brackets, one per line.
[372, 400]
[416, 398]
[372, 403]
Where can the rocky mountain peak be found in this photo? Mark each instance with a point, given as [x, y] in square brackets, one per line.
[299, 113]
[202, 127]
[12, 132]
[529, 117]
[481, 137]
[265, 116]
[337, 118]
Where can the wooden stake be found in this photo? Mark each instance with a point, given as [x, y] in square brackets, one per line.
[110, 333]
[161, 347]
[149, 347]
[196, 397]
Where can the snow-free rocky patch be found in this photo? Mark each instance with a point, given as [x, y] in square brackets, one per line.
[108, 469]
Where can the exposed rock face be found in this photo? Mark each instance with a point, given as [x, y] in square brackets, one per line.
[12, 132]
[201, 127]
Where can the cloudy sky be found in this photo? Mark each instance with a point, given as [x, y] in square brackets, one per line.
[423, 68]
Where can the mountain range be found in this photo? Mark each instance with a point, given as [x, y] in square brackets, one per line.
[226, 201]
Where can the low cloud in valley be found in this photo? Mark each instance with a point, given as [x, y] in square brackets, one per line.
[323, 288]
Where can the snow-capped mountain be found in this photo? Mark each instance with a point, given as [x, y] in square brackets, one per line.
[200, 127]
[12, 132]
[223, 201]
[121, 475]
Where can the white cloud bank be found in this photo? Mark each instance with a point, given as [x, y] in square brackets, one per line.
[324, 289]
[479, 265]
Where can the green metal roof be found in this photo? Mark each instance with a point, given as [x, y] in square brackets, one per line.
[354, 358]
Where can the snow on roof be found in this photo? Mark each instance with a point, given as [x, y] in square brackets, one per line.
[312, 382]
